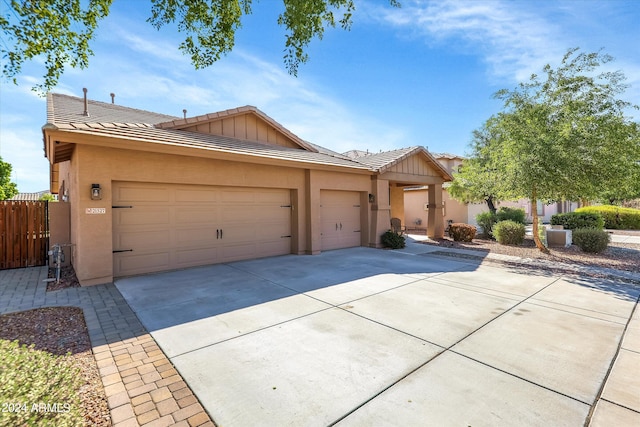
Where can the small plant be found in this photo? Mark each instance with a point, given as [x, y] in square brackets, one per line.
[462, 232]
[509, 232]
[393, 240]
[575, 220]
[590, 240]
[486, 220]
[512, 214]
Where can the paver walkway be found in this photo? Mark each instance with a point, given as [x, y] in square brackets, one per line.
[142, 386]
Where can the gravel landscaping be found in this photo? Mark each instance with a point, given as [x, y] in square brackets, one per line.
[620, 256]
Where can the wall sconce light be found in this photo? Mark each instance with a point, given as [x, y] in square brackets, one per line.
[96, 192]
[372, 198]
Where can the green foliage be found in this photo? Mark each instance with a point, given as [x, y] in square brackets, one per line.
[62, 30]
[462, 232]
[393, 240]
[48, 197]
[591, 240]
[575, 220]
[509, 232]
[514, 214]
[615, 217]
[476, 180]
[486, 220]
[8, 189]
[58, 30]
[35, 381]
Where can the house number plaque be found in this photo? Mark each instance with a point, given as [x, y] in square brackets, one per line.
[96, 211]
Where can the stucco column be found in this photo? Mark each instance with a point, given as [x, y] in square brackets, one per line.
[435, 220]
[397, 203]
[380, 211]
[314, 228]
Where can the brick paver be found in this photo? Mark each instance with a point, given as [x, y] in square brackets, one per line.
[142, 386]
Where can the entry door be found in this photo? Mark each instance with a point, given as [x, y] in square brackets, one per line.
[340, 219]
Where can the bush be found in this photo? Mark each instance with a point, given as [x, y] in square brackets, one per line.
[590, 240]
[615, 217]
[393, 240]
[486, 220]
[509, 232]
[462, 232]
[511, 214]
[575, 220]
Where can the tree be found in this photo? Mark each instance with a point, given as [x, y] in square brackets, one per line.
[476, 180]
[565, 136]
[8, 189]
[61, 30]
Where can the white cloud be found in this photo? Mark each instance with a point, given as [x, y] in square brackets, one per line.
[514, 42]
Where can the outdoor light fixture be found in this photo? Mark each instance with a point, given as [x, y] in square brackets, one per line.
[372, 198]
[96, 192]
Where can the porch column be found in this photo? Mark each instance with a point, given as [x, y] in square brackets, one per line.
[435, 220]
[397, 203]
[380, 211]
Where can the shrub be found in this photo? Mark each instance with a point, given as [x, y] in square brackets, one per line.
[575, 220]
[590, 240]
[615, 217]
[462, 232]
[393, 240]
[486, 220]
[512, 214]
[509, 232]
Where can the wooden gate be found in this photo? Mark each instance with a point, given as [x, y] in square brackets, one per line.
[24, 234]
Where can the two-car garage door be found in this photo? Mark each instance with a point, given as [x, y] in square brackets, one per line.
[159, 227]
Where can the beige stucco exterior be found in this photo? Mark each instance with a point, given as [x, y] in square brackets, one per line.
[91, 158]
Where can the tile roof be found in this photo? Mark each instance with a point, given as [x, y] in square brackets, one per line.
[65, 113]
[69, 109]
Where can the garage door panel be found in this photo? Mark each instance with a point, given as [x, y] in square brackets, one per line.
[142, 216]
[190, 215]
[142, 193]
[138, 240]
[196, 236]
[198, 256]
[196, 196]
[129, 263]
[177, 226]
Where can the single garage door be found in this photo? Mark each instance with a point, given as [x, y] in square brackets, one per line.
[340, 219]
[159, 227]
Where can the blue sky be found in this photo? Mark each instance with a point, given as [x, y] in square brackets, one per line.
[423, 74]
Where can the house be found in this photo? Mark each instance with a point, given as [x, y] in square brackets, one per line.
[30, 197]
[148, 192]
[416, 199]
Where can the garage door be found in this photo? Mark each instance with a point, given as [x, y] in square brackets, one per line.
[159, 227]
[340, 219]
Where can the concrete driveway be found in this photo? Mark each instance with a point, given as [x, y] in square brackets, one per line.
[362, 337]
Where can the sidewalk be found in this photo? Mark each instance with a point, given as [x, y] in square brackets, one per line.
[141, 385]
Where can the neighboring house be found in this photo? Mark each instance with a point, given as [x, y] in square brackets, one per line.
[148, 192]
[30, 197]
[416, 199]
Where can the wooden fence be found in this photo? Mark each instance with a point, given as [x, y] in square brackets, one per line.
[24, 234]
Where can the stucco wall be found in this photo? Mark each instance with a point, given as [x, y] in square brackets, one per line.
[92, 233]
